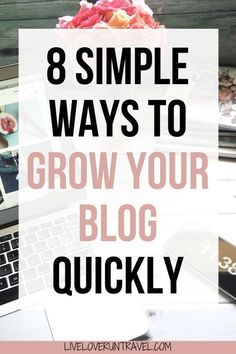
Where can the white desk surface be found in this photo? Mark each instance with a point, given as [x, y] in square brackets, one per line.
[203, 322]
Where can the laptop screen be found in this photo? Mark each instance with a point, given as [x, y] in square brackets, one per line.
[9, 157]
[9, 145]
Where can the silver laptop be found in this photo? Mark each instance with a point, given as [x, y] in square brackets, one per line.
[22, 318]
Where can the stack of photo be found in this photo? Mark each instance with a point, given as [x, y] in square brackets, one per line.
[227, 108]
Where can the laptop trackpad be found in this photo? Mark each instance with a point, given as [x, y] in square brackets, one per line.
[26, 324]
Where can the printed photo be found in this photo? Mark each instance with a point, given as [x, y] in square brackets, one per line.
[9, 168]
[8, 125]
[227, 98]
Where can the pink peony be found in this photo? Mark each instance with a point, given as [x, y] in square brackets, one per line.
[63, 21]
[113, 5]
[111, 14]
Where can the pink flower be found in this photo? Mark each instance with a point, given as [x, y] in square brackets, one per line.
[105, 6]
[111, 14]
[142, 7]
[63, 21]
[87, 17]
[141, 20]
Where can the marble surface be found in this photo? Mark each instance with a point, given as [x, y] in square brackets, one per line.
[199, 322]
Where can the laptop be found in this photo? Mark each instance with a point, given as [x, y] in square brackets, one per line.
[40, 243]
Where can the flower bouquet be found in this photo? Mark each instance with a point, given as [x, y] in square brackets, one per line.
[111, 14]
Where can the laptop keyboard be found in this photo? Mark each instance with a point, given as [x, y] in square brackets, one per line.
[39, 246]
[9, 267]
